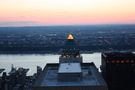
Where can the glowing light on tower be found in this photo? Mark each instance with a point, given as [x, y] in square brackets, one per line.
[70, 37]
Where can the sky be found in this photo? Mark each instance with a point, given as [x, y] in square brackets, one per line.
[66, 12]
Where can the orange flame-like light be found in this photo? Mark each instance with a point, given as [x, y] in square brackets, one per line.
[70, 37]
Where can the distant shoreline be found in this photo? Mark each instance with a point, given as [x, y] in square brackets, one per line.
[51, 52]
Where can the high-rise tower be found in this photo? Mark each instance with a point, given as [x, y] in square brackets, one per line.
[70, 53]
[70, 73]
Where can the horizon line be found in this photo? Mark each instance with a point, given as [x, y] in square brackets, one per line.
[67, 25]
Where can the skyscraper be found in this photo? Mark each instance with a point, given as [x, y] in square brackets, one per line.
[70, 73]
[118, 70]
[70, 53]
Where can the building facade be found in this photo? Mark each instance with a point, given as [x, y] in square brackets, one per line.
[118, 70]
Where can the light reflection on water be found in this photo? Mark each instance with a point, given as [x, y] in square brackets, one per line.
[32, 60]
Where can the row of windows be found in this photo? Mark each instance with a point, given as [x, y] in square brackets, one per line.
[78, 88]
[121, 61]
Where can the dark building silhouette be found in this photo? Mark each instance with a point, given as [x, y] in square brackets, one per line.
[16, 79]
[118, 70]
[39, 70]
[4, 81]
[70, 73]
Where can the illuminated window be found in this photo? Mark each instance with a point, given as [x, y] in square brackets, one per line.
[117, 61]
[113, 61]
[127, 61]
[122, 61]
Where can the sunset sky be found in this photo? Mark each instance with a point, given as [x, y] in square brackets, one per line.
[66, 12]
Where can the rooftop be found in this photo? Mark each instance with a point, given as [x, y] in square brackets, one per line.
[90, 76]
[69, 68]
[119, 54]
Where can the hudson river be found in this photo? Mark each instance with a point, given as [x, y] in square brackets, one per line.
[32, 60]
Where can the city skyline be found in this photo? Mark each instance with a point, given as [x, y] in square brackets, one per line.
[66, 12]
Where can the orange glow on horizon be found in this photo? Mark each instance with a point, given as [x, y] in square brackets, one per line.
[57, 12]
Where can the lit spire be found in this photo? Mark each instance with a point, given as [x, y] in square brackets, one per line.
[70, 37]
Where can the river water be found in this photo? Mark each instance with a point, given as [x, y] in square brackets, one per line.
[32, 60]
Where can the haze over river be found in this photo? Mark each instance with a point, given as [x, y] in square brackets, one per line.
[31, 61]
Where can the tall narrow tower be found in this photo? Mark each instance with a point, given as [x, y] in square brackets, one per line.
[70, 62]
[70, 53]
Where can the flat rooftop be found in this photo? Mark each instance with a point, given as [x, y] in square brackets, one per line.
[119, 54]
[90, 76]
[69, 68]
